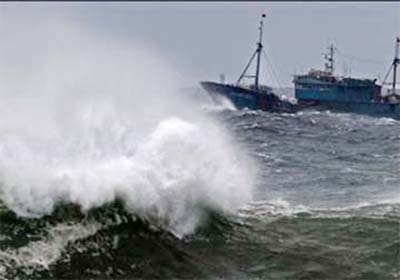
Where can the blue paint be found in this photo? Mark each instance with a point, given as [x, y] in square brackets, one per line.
[262, 99]
[321, 90]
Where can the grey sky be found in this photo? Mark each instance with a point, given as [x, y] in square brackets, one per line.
[206, 39]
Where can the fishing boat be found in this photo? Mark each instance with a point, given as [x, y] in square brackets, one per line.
[323, 90]
[253, 96]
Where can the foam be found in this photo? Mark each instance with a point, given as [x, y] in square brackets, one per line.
[94, 119]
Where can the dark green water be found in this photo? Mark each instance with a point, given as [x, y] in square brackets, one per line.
[327, 206]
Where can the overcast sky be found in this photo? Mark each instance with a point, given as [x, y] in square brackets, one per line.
[206, 39]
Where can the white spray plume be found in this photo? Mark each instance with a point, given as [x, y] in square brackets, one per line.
[89, 119]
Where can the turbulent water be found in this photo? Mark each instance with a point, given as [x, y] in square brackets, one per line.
[326, 205]
[107, 171]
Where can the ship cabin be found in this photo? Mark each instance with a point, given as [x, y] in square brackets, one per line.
[323, 86]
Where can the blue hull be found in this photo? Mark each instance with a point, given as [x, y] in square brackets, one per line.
[245, 98]
[358, 98]
[377, 109]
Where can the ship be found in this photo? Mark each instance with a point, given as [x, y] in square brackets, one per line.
[323, 90]
[253, 96]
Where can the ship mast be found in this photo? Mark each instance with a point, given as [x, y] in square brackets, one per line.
[258, 53]
[396, 61]
[329, 66]
[394, 64]
[259, 49]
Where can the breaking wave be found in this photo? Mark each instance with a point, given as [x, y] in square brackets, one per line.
[92, 120]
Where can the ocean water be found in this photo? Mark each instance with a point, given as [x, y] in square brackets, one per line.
[325, 204]
[107, 171]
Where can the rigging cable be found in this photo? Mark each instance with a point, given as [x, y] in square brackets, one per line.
[387, 74]
[273, 72]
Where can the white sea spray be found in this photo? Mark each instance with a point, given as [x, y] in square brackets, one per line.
[88, 119]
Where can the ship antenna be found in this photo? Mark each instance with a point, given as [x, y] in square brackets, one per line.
[259, 49]
[258, 53]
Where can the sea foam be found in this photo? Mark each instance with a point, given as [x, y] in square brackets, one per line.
[90, 119]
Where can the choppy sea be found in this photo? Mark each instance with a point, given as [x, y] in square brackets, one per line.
[326, 205]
